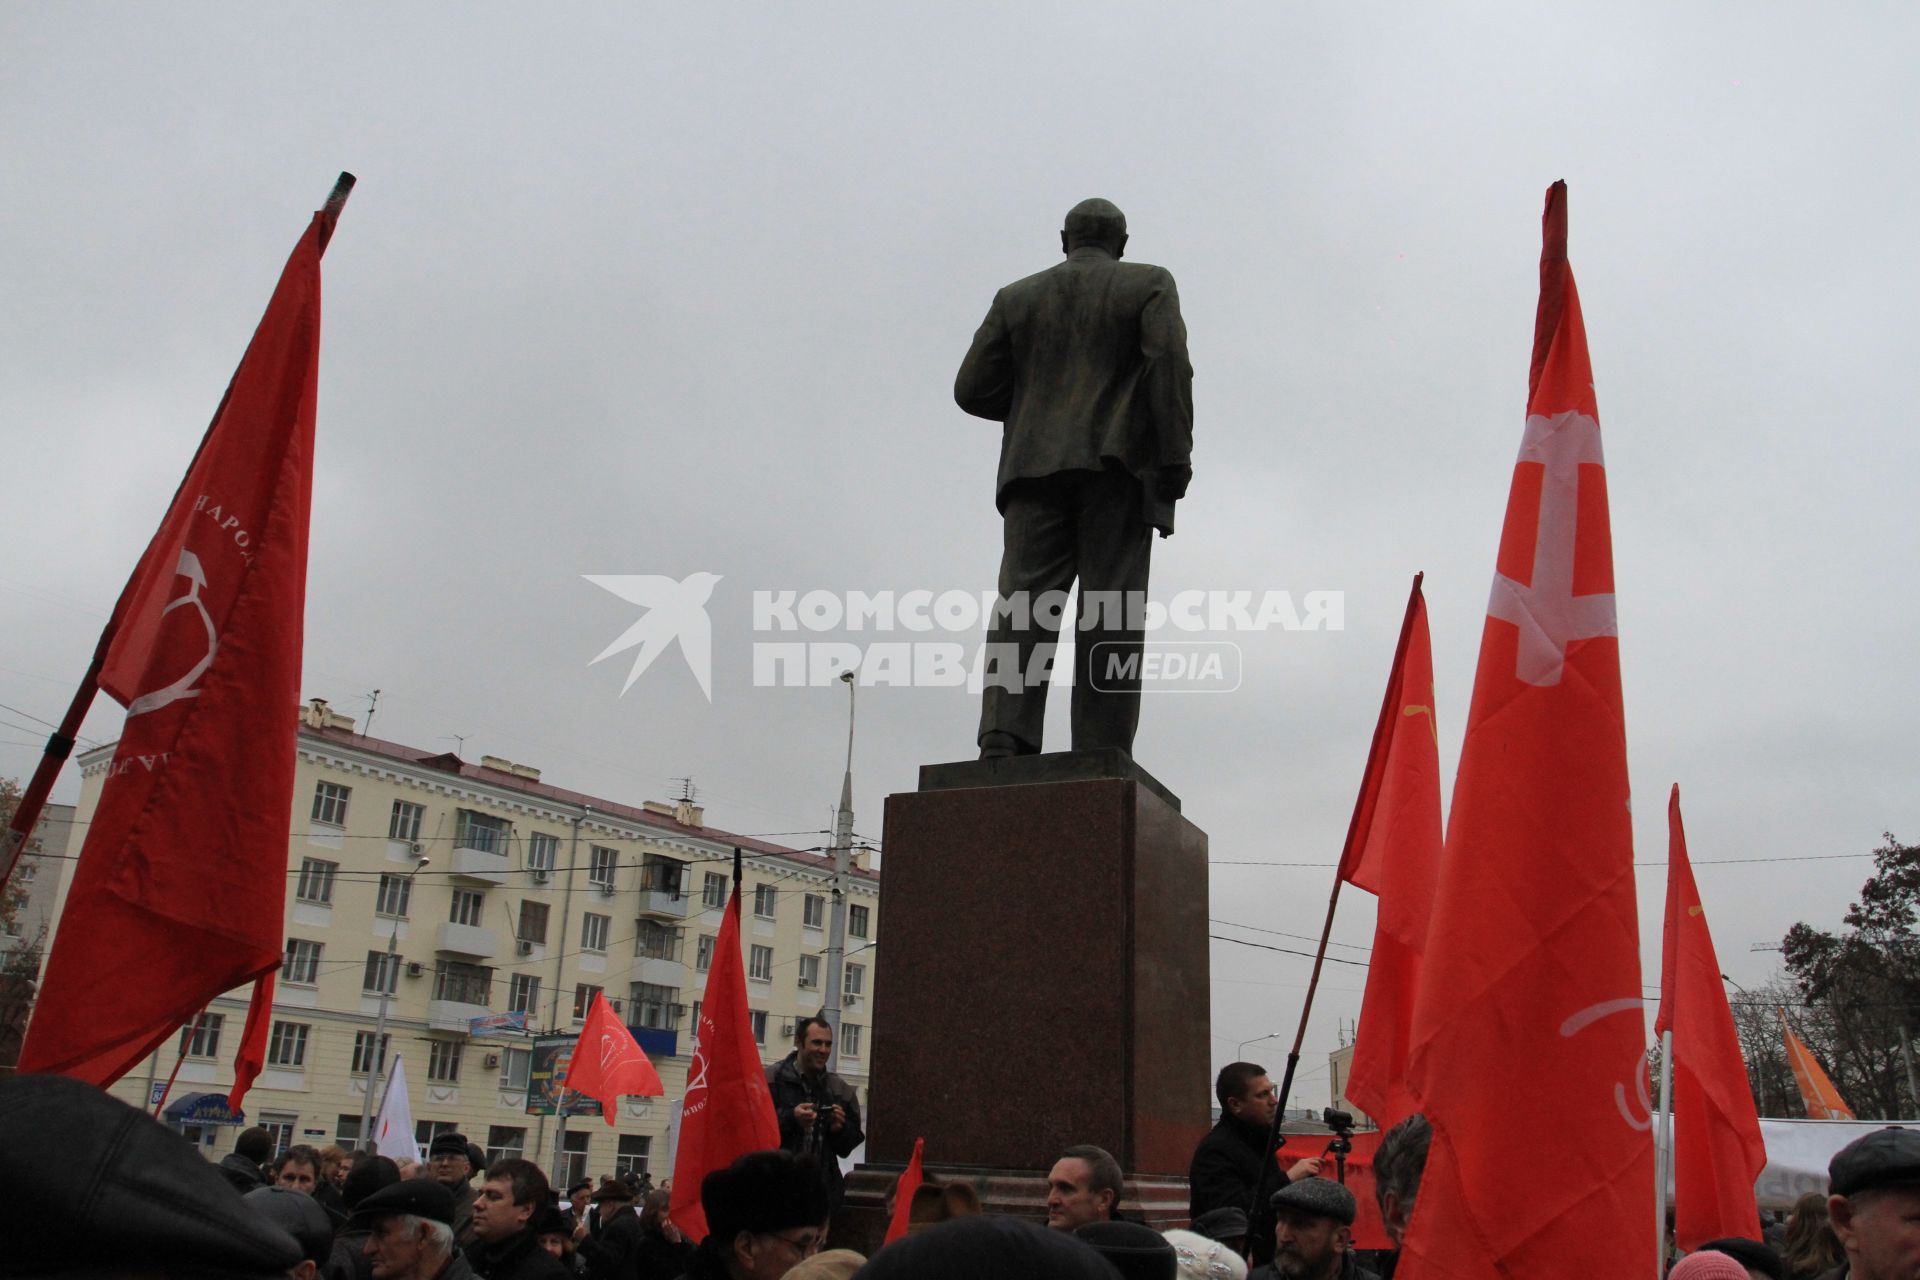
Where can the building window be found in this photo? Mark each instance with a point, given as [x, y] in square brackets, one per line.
[583, 994]
[574, 1146]
[287, 1046]
[443, 1061]
[316, 881]
[404, 823]
[809, 973]
[663, 875]
[593, 932]
[760, 964]
[365, 1056]
[695, 1024]
[523, 994]
[857, 921]
[601, 862]
[632, 1156]
[505, 1143]
[533, 922]
[713, 892]
[813, 912]
[280, 1126]
[514, 1066]
[856, 983]
[849, 1039]
[461, 982]
[655, 941]
[330, 803]
[764, 898]
[346, 1130]
[654, 1006]
[383, 973]
[202, 1039]
[301, 964]
[703, 953]
[469, 907]
[543, 850]
[759, 1019]
[393, 897]
[481, 831]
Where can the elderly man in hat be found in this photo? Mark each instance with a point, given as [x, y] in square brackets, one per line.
[611, 1249]
[1873, 1204]
[1313, 1234]
[766, 1214]
[450, 1163]
[409, 1228]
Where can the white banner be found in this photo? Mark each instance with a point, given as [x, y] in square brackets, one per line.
[393, 1129]
[1797, 1155]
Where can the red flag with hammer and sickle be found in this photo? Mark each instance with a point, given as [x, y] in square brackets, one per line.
[607, 1061]
[1529, 1027]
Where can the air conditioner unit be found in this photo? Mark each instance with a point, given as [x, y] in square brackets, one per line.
[541, 875]
[418, 848]
[614, 1004]
[524, 947]
[850, 999]
[415, 968]
[492, 1060]
[606, 890]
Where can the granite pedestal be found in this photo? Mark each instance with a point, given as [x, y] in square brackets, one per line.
[1042, 979]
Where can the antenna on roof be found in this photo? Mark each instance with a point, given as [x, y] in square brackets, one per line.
[373, 704]
[688, 792]
[459, 742]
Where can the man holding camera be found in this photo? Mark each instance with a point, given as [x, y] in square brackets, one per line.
[1227, 1163]
[819, 1112]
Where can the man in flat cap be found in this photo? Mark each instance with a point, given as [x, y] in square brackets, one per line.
[1873, 1203]
[450, 1163]
[1086, 365]
[409, 1229]
[1313, 1233]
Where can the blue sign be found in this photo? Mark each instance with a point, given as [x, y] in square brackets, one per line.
[204, 1108]
[498, 1024]
[657, 1043]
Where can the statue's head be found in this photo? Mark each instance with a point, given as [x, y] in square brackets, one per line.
[1095, 222]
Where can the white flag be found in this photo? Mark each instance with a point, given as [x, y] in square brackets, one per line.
[393, 1128]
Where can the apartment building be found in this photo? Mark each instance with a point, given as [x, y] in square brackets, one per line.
[487, 906]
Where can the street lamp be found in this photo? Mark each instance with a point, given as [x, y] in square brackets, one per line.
[842, 842]
[390, 973]
[1256, 1040]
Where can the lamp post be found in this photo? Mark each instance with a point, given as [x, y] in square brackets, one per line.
[842, 847]
[1256, 1040]
[391, 973]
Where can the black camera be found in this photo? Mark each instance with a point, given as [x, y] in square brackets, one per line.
[1339, 1121]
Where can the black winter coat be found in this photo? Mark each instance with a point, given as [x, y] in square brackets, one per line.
[516, 1258]
[791, 1089]
[613, 1251]
[1225, 1166]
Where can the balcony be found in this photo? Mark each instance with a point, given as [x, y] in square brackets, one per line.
[479, 864]
[466, 940]
[663, 888]
[453, 1015]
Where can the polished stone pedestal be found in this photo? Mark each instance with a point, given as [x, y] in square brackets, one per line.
[1042, 975]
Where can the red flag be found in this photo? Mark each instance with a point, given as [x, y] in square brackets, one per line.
[1816, 1090]
[903, 1190]
[728, 1109]
[1533, 949]
[1393, 852]
[179, 890]
[608, 1062]
[1717, 1149]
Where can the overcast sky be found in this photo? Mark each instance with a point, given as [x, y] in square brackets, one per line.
[678, 289]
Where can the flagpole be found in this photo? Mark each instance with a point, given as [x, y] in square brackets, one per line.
[1382, 728]
[60, 742]
[185, 1042]
[1663, 1152]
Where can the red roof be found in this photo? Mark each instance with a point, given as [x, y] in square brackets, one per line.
[447, 762]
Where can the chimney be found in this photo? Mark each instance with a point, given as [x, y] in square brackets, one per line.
[526, 771]
[496, 762]
[318, 715]
[689, 814]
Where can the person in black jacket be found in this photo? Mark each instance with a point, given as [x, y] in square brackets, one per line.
[819, 1112]
[505, 1245]
[663, 1250]
[611, 1249]
[243, 1166]
[1226, 1164]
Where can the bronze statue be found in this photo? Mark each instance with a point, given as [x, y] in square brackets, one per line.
[1086, 364]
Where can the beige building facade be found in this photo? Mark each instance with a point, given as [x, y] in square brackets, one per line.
[465, 892]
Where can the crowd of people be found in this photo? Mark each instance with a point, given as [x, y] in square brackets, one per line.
[101, 1188]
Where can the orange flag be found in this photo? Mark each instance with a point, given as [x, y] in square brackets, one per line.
[607, 1061]
[179, 891]
[903, 1190]
[1533, 950]
[728, 1109]
[1823, 1100]
[1718, 1152]
[1393, 852]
